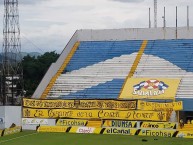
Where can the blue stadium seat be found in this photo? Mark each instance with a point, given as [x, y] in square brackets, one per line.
[98, 69]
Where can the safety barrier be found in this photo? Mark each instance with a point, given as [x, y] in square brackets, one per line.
[140, 124]
[159, 125]
[34, 121]
[118, 130]
[120, 123]
[103, 123]
[9, 131]
[84, 130]
[1, 131]
[52, 129]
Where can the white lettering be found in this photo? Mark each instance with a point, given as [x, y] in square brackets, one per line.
[148, 93]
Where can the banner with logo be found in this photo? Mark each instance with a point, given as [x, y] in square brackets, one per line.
[120, 123]
[52, 129]
[80, 104]
[123, 131]
[71, 122]
[150, 88]
[13, 130]
[143, 105]
[155, 132]
[95, 114]
[158, 125]
[85, 130]
[34, 121]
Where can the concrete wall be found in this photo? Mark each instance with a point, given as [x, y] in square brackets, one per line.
[135, 34]
[11, 114]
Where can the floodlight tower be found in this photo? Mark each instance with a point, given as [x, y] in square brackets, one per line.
[155, 13]
[11, 70]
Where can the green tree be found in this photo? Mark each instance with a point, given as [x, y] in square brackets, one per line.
[35, 68]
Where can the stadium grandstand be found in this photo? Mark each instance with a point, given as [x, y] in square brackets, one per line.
[153, 65]
[96, 63]
[131, 81]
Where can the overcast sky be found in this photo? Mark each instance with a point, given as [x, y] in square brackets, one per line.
[47, 25]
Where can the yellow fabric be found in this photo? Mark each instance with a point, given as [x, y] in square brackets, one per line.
[143, 105]
[130, 92]
[80, 104]
[95, 114]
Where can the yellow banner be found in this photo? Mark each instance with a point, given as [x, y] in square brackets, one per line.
[120, 123]
[71, 122]
[143, 105]
[52, 129]
[155, 132]
[160, 125]
[99, 114]
[1, 132]
[13, 130]
[150, 88]
[124, 131]
[80, 104]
